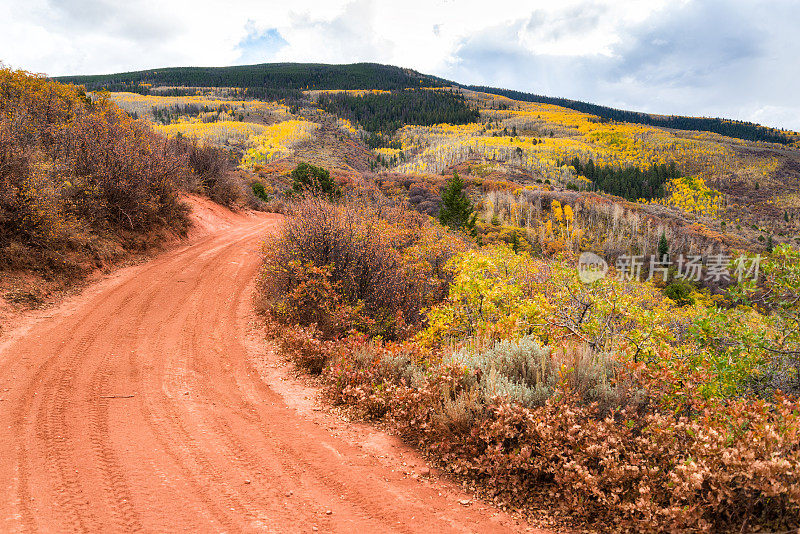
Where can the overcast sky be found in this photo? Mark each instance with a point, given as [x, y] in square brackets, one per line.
[734, 58]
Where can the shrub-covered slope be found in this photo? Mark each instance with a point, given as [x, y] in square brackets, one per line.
[605, 400]
[78, 177]
[81, 182]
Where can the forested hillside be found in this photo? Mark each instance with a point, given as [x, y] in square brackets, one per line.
[731, 128]
[273, 80]
[429, 131]
[631, 183]
[287, 80]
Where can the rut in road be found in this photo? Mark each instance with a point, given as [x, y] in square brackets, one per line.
[136, 407]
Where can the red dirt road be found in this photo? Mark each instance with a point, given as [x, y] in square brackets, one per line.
[136, 407]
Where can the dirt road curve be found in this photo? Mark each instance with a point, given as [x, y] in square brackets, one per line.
[134, 407]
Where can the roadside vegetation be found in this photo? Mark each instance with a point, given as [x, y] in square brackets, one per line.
[83, 184]
[608, 401]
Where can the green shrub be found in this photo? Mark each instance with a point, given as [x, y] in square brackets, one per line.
[457, 210]
[316, 181]
[521, 372]
[259, 191]
[680, 291]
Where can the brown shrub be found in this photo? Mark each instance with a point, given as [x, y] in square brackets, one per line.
[302, 344]
[215, 174]
[129, 174]
[76, 173]
[353, 265]
[675, 464]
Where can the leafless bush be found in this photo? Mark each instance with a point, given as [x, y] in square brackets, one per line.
[214, 172]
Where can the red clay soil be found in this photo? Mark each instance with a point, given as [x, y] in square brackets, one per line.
[140, 406]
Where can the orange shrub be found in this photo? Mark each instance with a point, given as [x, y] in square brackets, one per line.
[668, 464]
[356, 266]
[75, 172]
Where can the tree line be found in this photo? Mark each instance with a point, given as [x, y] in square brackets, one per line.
[264, 81]
[631, 183]
[738, 129]
[388, 112]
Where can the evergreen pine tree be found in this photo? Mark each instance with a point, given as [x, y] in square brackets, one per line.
[515, 242]
[457, 210]
[770, 244]
[663, 246]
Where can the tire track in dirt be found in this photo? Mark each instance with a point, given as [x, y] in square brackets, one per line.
[185, 453]
[358, 504]
[50, 427]
[138, 408]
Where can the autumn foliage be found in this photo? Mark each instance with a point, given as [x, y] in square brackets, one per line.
[82, 182]
[645, 462]
[76, 174]
[624, 405]
[353, 265]
[604, 401]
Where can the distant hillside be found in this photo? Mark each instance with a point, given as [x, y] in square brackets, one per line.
[739, 129]
[275, 81]
[266, 80]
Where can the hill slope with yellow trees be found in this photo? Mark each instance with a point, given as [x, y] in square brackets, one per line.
[688, 182]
